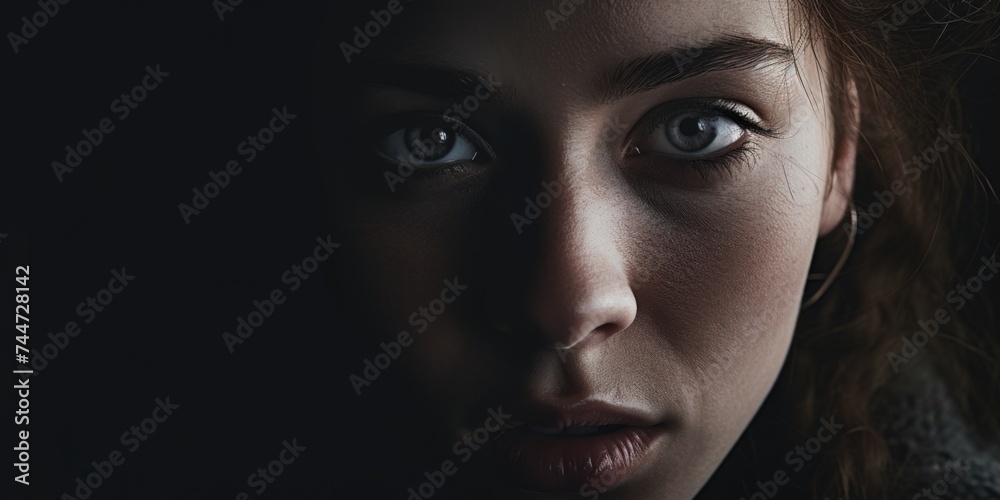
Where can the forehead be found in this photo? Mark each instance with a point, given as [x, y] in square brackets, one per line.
[569, 33]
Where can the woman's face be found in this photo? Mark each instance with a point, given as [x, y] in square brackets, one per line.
[600, 220]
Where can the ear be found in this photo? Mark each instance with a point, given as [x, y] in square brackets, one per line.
[842, 165]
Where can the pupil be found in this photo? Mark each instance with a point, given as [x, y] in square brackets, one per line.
[693, 132]
[440, 136]
[692, 126]
[430, 142]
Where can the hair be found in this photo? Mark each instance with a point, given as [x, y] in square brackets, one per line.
[905, 67]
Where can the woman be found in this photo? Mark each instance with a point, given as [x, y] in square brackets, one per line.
[649, 249]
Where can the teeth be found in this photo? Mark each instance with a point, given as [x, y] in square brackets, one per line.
[581, 431]
[551, 431]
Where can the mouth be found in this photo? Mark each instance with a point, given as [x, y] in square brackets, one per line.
[583, 430]
[593, 445]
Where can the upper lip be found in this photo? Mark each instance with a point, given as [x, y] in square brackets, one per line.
[583, 413]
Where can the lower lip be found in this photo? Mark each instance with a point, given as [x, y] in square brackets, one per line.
[564, 463]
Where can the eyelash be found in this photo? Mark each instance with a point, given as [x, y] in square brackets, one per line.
[442, 173]
[744, 155]
[730, 109]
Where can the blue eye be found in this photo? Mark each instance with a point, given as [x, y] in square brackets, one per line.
[693, 132]
[432, 141]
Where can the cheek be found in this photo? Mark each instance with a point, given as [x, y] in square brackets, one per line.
[718, 312]
[730, 276]
[730, 266]
[750, 272]
[396, 259]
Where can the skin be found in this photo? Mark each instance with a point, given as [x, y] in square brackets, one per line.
[643, 284]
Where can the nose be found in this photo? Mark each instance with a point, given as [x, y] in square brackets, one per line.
[581, 294]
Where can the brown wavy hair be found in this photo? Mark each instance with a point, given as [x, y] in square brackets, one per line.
[905, 59]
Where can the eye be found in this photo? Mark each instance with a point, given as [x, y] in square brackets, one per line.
[429, 141]
[692, 131]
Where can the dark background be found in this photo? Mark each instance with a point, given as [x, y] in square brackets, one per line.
[162, 335]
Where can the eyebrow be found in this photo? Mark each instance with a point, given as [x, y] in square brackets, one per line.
[730, 52]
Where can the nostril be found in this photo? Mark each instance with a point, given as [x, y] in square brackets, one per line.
[583, 286]
[620, 320]
[608, 329]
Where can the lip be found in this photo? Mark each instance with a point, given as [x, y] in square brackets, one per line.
[565, 463]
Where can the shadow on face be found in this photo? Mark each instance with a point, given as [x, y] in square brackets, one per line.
[598, 218]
